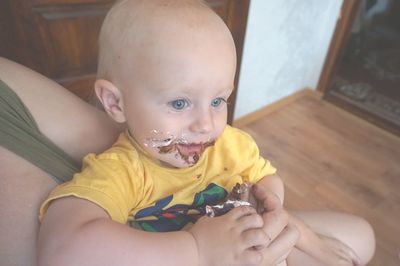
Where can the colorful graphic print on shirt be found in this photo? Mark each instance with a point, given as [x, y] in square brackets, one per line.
[158, 219]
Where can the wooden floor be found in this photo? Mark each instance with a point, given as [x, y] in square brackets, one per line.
[330, 159]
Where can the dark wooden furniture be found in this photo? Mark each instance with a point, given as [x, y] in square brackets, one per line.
[58, 38]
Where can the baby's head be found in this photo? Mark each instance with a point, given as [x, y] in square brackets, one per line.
[166, 69]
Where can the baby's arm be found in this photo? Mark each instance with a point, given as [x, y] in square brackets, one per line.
[77, 232]
[274, 184]
[327, 250]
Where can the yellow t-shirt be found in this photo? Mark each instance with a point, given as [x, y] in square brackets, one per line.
[133, 188]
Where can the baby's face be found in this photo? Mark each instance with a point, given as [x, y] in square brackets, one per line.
[177, 104]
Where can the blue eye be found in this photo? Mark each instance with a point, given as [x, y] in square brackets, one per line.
[179, 104]
[217, 102]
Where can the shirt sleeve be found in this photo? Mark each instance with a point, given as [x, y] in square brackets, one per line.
[105, 180]
[255, 166]
[260, 169]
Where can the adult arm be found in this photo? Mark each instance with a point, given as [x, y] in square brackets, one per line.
[66, 120]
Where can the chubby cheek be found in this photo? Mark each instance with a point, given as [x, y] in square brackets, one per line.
[146, 127]
[220, 122]
[150, 136]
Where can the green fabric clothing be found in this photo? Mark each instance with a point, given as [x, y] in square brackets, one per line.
[20, 134]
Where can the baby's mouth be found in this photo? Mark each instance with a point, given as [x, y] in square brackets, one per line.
[190, 149]
[189, 152]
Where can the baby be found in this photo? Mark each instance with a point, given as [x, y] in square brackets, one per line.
[166, 70]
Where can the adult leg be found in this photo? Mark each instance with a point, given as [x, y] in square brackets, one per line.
[61, 116]
[73, 125]
[352, 230]
[23, 187]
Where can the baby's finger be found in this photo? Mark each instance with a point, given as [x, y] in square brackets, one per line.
[274, 222]
[255, 238]
[241, 211]
[281, 246]
[251, 257]
[250, 221]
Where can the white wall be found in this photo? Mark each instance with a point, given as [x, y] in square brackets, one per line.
[285, 47]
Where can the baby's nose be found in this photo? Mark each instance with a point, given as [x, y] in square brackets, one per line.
[203, 123]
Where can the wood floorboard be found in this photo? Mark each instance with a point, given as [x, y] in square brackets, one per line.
[331, 159]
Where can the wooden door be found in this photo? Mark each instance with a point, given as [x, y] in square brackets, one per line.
[58, 38]
[362, 70]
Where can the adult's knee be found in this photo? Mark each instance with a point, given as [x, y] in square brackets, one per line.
[366, 239]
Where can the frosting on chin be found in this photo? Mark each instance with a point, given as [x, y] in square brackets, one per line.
[177, 148]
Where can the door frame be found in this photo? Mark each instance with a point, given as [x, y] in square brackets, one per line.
[339, 39]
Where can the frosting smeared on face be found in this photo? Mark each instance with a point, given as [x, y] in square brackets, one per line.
[167, 143]
[159, 139]
[190, 153]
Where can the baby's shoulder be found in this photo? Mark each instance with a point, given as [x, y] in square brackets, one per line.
[235, 142]
[234, 137]
[121, 153]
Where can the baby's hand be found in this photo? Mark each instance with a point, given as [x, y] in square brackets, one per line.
[229, 239]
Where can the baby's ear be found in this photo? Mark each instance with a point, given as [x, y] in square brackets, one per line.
[111, 99]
